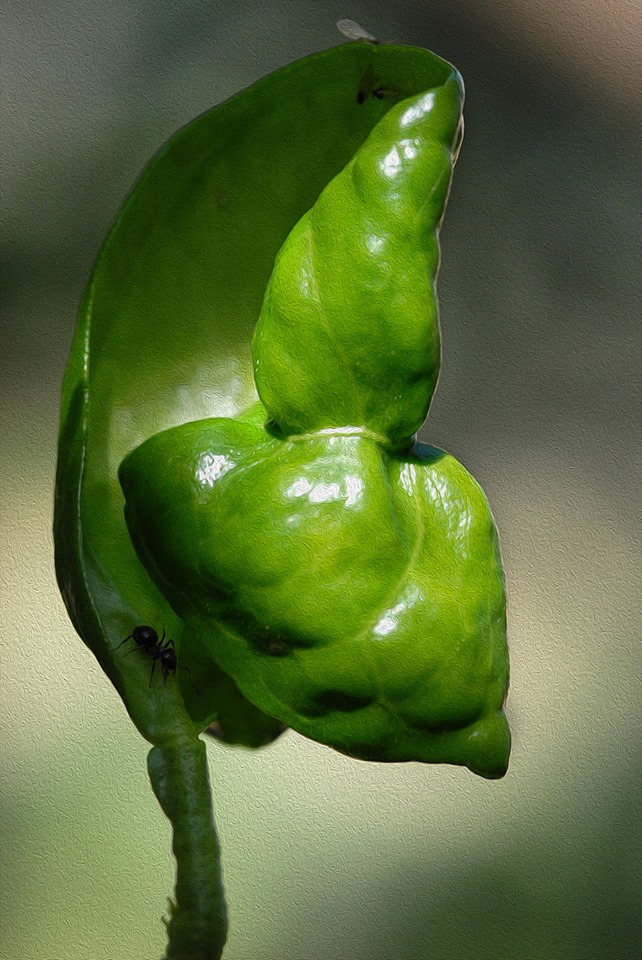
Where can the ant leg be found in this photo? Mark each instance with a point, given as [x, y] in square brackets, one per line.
[151, 676]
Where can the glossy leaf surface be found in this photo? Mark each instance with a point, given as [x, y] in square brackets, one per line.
[347, 578]
[163, 338]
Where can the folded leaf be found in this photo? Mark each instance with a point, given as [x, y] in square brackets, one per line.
[357, 596]
[348, 332]
[347, 578]
[163, 337]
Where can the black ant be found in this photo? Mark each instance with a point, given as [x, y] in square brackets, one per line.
[369, 89]
[160, 650]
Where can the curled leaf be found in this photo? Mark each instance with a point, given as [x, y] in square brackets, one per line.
[163, 338]
[346, 577]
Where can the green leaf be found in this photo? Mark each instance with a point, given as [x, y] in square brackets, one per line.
[357, 596]
[348, 332]
[346, 577]
[163, 338]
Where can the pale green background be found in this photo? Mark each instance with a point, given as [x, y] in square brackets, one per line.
[327, 858]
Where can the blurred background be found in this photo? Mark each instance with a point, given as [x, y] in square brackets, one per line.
[327, 858]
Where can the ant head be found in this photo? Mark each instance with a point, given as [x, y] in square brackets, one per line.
[168, 660]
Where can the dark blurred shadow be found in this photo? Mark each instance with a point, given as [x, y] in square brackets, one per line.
[539, 288]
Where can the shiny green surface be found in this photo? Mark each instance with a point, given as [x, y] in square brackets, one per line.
[163, 338]
[356, 596]
[349, 332]
[348, 579]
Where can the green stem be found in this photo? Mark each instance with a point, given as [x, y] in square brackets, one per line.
[197, 927]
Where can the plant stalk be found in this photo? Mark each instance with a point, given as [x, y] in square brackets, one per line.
[197, 927]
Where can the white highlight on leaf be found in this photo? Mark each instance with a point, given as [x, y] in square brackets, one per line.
[391, 163]
[354, 488]
[408, 477]
[389, 621]
[418, 110]
[393, 160]
[349, 491]
[299, 488]
[409, 149]
[212, 467]
[375, 244]
[324, 492]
